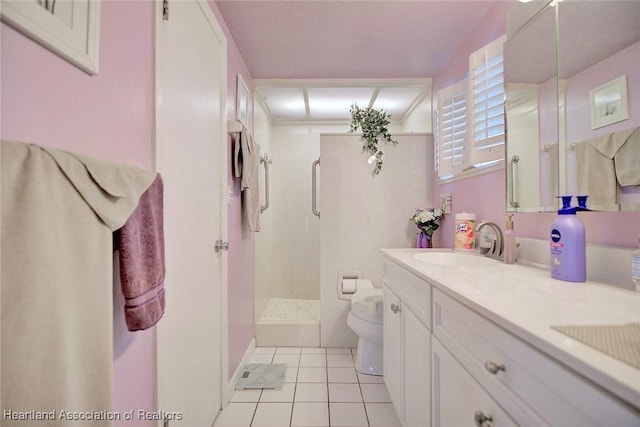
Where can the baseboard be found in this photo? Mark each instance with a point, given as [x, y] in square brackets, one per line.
[236, 374]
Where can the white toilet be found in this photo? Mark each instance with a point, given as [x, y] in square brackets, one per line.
[365, 319]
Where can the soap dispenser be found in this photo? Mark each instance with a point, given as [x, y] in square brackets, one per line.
[509, 241]
[568, 245]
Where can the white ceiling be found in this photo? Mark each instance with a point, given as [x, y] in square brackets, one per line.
[376, 53]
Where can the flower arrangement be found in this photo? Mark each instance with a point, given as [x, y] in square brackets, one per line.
[428, 220]
[374, 124]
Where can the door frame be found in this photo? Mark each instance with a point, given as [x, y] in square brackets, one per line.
[224, 192]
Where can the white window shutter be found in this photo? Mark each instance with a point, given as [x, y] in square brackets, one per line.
[451, 128]
[486, 103]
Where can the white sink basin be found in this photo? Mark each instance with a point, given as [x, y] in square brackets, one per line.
[456, 259]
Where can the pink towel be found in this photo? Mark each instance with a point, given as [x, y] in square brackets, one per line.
[142, 268]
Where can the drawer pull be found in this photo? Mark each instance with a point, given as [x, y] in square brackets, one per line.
[395, 308]
[493, 368]
[482, 420]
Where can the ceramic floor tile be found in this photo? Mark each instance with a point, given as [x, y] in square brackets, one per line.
[288, 350]
[291, 376]
[250, 395]
[342, 375]
[284, 395]
[264, 350]
[339, 360]
[311, 392]
[261, 358]
[375, 393]
[312, 375]
[236, 415]
[382, 415]
[338, 350]
[313, 360]
[307, 414]
[370, 379]
[272, 414]
[347, 415]
[344, 393]
[290, 359]
[314, 350]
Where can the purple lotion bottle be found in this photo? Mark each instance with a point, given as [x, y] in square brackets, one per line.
[568, 245]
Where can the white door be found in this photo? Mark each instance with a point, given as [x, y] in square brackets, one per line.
[191, 152]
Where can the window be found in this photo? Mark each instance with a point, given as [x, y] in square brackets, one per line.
[469, 118]
[486, 86]
[451, 130]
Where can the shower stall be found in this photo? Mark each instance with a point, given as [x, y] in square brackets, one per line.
[306, 241]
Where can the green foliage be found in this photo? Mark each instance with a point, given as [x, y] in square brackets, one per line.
[374, 124]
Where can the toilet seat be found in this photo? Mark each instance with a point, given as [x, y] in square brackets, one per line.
[367, 305]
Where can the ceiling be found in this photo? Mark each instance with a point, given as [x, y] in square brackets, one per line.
[368, 51]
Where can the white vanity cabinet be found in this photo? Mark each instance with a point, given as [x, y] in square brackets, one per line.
[533, 388]
[451, 360]
[407, 345]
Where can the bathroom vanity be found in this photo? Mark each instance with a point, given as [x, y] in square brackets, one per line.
[469, 340]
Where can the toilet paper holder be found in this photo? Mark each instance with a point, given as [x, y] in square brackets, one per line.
[347, 275]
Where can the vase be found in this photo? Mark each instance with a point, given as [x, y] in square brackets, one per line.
[423, 240]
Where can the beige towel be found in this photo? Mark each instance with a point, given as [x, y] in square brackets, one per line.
[627, 158]
[246, 167]
[608, 145]
[58, 214]
[596, 177]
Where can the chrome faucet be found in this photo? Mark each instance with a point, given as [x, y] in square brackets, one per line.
[497, 247]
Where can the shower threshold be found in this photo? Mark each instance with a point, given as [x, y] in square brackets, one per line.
[289, 322]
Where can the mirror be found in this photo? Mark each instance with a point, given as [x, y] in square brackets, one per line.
[573, 103]
[599, 69]
[531, 106]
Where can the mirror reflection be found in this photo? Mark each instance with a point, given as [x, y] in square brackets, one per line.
[530, 71]
[573, 111]
[599, 58]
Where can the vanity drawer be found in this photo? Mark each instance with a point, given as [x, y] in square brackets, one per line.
[414, 292]
[458, 399]
[533, 388]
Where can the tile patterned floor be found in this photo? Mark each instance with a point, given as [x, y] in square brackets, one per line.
[322, 389]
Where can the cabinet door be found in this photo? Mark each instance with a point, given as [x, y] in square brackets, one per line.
[458, 400]
[417, 371]
[393, 354]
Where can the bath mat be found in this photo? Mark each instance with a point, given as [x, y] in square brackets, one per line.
[262, 375]
[621, 342]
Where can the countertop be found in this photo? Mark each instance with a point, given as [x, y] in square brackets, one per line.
[526, 301]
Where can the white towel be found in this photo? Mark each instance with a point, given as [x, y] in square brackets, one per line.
[596, 177]
[627, 158]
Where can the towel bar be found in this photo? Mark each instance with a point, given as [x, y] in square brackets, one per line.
[266, 161]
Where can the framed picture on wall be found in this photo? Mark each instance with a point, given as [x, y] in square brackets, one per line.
[70, 28]
[242, 102]
[609, 103]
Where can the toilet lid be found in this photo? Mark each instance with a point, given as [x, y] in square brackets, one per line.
[367, 305]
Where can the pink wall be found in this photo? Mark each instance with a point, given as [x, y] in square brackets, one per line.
[241, 240]
[485, 194]
[48, 101]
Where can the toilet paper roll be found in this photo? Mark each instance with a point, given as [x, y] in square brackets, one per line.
[349, 286]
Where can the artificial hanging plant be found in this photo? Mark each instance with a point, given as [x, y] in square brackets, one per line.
[374, 124]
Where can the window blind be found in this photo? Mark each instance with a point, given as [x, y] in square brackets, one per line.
[451, 125]
[486, 86]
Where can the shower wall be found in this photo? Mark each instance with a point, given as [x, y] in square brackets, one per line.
[362, 213]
